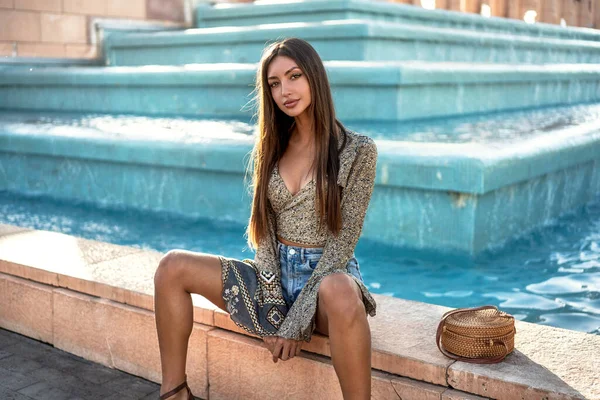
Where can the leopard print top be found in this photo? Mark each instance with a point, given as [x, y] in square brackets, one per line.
[295, 218]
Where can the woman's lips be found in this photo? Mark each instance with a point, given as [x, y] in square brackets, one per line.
[290, 104]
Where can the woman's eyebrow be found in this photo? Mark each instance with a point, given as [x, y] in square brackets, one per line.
[286, 72]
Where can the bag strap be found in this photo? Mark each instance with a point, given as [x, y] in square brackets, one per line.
[440, 329]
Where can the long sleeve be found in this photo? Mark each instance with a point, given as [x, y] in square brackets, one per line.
[269, 271]
[266, 251]
[358, 181]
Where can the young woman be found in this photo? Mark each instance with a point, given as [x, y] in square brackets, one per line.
[312, 183]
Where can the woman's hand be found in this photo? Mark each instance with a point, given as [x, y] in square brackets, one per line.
[282, 348]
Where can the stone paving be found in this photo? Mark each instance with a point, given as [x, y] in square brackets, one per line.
[34, 370]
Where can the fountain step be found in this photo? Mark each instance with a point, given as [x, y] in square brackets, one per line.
[355, 40]
[314, 11]
[364, 91]
[486, 193]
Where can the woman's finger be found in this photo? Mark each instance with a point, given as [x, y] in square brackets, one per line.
[292, 352]
[285, 353]
[299, 348]
[277, 350]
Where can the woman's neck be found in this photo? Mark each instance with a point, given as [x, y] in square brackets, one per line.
[303, 133]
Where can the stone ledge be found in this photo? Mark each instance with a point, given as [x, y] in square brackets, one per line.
[124, 337]
[548, 361]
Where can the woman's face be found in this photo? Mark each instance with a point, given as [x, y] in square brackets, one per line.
[289, 86]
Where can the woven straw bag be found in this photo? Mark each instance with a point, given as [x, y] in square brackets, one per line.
[481, 335]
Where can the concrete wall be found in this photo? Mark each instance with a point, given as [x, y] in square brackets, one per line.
[64, 28]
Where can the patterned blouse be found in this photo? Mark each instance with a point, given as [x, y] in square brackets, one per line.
[295, 218]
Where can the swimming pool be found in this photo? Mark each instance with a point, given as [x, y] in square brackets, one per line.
[550, 276]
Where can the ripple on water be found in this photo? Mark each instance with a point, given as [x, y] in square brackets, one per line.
[576, 283]
[587, 265]
[524, 301]
[583, 304]
[578, 321]
[452, 293]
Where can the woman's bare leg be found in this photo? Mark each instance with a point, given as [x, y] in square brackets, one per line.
[179, 274]
[341, 315]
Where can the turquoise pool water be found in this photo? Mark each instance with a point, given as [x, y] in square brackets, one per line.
[491, 128]
[550, 276]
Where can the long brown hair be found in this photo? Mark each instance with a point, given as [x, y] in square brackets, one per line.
[274, 131]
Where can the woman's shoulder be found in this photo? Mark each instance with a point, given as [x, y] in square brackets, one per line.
[358, 149]
[362, 143]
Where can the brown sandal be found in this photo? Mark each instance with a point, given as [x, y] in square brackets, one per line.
[184, 385]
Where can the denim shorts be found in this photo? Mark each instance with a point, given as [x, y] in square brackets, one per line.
[298, 264]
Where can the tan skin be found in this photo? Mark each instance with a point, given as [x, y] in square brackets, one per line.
[340, 311]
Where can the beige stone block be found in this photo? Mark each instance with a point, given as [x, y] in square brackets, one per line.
[19, 25]
[64, 28]
[382, 388]
[171, 10]
[451, 394]
[514, 9]
[547, 363]
[502, 6]
[39, 5]
[128, 279]
[454, 5]
[26, 272]
[126, 9]
[55, 253]
[551, 12]
[409, 389]
[441, 4]
[26, 308]
[471, 6]
[410, 351]
[7, 49]
[7, 4]
[570, 12]
[80, 326]
[241, 367]
[88, 7]
[586, 13]
[80, 51]
[403, 340]
[40, 50]
[122, 337]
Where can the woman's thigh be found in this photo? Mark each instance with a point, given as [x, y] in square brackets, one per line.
[198, 273]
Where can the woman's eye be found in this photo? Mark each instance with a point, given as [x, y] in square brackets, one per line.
[274, 84]
[296, 76]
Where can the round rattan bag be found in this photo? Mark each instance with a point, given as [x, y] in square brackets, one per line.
[482, 335]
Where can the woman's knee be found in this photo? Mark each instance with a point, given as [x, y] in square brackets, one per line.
[339, 297]
[169, 267]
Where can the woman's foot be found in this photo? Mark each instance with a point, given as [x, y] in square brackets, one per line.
[181, 392]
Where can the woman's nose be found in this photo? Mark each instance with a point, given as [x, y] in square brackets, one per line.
[284, 89]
